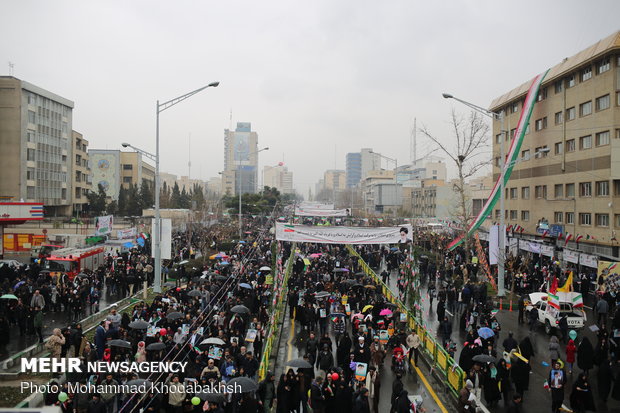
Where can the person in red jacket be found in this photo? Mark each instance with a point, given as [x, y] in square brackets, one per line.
[571, 349]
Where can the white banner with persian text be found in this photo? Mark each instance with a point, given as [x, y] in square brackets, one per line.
[317, 212]
[343, 235]
[588, 260]
[126, 233]
[571, 256]
[547, 250]
[315, 205]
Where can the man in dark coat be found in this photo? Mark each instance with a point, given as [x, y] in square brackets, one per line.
[605, 377]
[585, 355]
[361, 404]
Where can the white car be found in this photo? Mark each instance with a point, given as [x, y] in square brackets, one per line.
[11, 263]
[550, 317]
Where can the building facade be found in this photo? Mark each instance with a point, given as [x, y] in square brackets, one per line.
[35, 138]
[81, 172]
[568, 176]
[278, 177]
[354, 169]
[113, 168]
[240, 160]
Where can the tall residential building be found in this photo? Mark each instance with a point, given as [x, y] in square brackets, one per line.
[36, 151]
[278, 177]
[568, 176]
[370, 162]
[113, 168]
[240, 160]
[354, 169]
[334, 179]
[81, 172]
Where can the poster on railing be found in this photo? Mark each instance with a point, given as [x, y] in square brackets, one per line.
[103, 225]
[343, 235]
[319, 212]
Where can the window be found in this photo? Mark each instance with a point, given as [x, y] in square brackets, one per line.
[585, 189]
[570, 217]
[540, 191]
[78, 176]
[30, 174]
[513, 132]
[558, 86]
[541, 152]
[602, 188]
[585, 108]
[570, 113]
[127, 179]
[525, 192]
[78, 193]
[602, 102]
[570, 190]
[513, 193]
[525, 155]
[570, 145]
[30, 192]
[603, 66]
[586, 74]
[31, 116]
[513, 215]
[30, 136]
[558, 191]
[497, 162]
[78, 160]
[559, 118]
[559, 148]
[497, 214]
[525, 215]
[602, 220]
[617, 133]
[498, 138]
[30, 155]
[570, 81]
[585, 142]
[541, 124]
[618, 98]
[602, 138]
[514, 108]
[557, 217]
[64, 193]
[527, 127]
[585, 218]
[542, 95]
[127, 167]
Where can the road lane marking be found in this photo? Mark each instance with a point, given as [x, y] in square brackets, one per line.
[290, 337]
[429, 388]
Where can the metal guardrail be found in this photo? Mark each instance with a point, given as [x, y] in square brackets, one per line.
[436, 356]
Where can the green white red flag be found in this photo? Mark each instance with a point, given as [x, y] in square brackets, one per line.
[513, 154]
[553, 300]
[578, 301]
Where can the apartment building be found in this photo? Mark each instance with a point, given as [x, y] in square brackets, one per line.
[81, 172]
[567, 178]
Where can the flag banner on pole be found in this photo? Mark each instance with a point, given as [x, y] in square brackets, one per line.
[513, 154]
[483, 261]
[319, 212]
[343, 235]
[554, 301]
[568, 285]
[578, 301]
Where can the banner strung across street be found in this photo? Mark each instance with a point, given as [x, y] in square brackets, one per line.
[319, 212]
[343, 235]
[103, 225]
[315, 205]
[513, 154]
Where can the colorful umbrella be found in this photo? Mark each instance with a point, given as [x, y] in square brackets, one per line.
[485, 332]
[8, 297]
[366, 308]
[385, 311]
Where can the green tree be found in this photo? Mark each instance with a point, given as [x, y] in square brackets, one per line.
[97, 201]
[164, 196]
[198, 197]
[185, 199]
[147, 197]
[134, 204]
[122, 202]
[175, 197]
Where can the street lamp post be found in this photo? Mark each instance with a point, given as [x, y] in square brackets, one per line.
[160, 107]
[502, 248]
[239, 185]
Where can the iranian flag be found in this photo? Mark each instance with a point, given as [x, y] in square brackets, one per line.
[511, 159]
[578, 301]
[554, 301]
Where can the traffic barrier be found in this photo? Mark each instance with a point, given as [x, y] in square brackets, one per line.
[438, 357]
[279, 310]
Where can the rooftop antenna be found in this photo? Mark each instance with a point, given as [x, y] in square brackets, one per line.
[11, 68]
[414, 144]
[230, 121]
[189, 157]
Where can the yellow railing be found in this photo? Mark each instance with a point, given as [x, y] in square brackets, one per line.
[439, 358]
[279, 310]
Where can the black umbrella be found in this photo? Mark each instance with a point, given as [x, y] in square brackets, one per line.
[484, 358]
[119, 343]
[300, 363]
[139, 325]
[245, 384]
[240, 309]
[348, 282]
[194, 293]
[196, 279]
[340, 270]
[175, 315]
[156, 346]
[169, 284]
[220, 277]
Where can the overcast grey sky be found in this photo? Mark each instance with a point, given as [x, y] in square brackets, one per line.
[315, 78]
